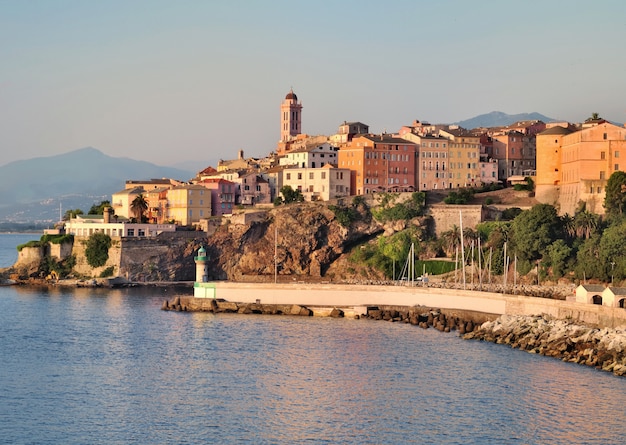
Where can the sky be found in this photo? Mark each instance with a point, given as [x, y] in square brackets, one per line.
[176, 81]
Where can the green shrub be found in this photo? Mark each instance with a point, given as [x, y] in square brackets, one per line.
[108, 272]
[33, 243]
[97, 249]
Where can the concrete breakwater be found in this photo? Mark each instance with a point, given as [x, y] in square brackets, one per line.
[424, 317]
[603, 348]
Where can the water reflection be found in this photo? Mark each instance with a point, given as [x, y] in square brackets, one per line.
[101, 366]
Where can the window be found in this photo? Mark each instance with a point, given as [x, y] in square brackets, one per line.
[616, 154]
[299, 175]
[602, 175]
[602, 155]
[616, 167]
[310, 175]
[131, 232]
[323, 175]
[288, 176]
[604, 136]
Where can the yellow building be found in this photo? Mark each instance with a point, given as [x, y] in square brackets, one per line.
[121, 201]
[463, 157]
[575, 167]
[188, 204]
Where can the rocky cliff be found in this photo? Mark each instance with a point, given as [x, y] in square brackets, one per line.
[306, 239]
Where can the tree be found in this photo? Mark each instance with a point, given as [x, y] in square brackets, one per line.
[615, 194]
[290, 195]
[588, 263]
[558, 254]
[139, 206]
[612, 251]
[585, 223]
[451, 239]
[534, 230]
[71, 214]
[98, 209]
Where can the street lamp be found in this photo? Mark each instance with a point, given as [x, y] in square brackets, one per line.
[612, 267]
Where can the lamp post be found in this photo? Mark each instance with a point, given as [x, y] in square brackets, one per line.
[612, 267]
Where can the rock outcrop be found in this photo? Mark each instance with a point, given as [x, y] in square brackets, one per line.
[602, 348]
[306, 239]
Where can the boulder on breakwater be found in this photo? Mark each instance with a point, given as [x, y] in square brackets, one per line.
[442, 320]
[216, 306]
[604, 348]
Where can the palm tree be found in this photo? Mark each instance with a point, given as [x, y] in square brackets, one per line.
[451, 239]
[139, 207]
[585, 224]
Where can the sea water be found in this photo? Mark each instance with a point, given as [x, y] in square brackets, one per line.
[103, 366]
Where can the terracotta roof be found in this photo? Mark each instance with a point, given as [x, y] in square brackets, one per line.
[556, 130]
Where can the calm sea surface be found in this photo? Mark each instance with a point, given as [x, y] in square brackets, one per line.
[82, 366]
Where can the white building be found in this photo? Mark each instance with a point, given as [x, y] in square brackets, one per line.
[87, 225]
[321, 184]
[313, 154]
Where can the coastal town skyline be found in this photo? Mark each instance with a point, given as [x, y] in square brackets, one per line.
[169, 83]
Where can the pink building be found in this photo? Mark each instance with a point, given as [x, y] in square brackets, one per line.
[222, 195]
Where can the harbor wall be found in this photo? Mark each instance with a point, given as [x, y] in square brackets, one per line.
[353, 296]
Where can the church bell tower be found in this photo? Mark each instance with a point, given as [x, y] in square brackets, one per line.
[290, 117]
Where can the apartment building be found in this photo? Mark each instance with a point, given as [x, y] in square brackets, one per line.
[187, 204]
[121, 201]
[318, 184]
[223, 195]
[516, 154]
[463, 157]
[574, 166]
[380, 163]
[312, 153]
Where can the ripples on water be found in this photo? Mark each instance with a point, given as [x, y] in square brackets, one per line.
[108, 367]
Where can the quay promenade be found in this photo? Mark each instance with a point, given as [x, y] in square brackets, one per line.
[362, 296]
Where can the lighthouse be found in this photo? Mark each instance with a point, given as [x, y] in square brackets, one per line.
[201, 287]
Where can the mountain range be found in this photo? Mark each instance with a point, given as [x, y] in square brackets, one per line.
[500, 119]
[38, 190]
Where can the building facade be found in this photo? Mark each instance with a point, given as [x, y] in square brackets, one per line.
[380, 163]
[188, 204]
[318, 184]
[574, 167]
[463, 157]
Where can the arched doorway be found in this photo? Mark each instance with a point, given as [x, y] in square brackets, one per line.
[622, 303]
[597, 299]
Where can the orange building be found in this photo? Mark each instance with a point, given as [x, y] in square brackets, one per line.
[379, 163]
[574, 167]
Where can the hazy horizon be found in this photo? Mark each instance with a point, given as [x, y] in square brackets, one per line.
[173, 82]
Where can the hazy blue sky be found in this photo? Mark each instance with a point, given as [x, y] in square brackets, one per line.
[170, 81]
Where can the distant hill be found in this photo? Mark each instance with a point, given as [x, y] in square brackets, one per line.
[500, 119]
[35, 189]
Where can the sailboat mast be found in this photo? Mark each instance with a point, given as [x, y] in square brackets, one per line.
[462, 247]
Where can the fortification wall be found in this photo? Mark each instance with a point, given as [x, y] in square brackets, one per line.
[83, 268]
[446, 216]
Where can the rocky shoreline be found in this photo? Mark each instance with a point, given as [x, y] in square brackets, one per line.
[601, 348]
